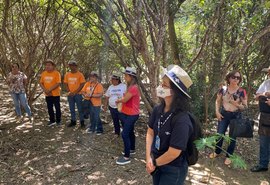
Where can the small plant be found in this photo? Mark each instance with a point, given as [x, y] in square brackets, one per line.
[211, 142]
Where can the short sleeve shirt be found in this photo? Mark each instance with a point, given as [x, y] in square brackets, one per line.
[49, 79]
[98, 89]
[264, 87]
[74, 80]
[16, 84]
[132, 106]
[114, 93]
[175, 135]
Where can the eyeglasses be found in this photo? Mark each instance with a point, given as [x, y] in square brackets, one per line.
[236, 77]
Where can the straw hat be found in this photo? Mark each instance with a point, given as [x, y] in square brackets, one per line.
[130, 71]
[179, 77]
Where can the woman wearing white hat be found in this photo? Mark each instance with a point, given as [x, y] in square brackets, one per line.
[115, 91]
[129, 114]
[169, 129]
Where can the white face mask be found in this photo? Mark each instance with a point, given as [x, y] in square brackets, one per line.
[162, 92]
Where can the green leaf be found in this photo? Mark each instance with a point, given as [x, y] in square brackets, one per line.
[238, 162]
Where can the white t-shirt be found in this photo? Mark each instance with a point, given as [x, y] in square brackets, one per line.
[264, 87]
[114, 93]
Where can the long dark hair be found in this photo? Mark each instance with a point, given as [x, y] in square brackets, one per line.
[180, 101]
[134, 81]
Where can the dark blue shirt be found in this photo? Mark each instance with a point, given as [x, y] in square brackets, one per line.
[172, 134]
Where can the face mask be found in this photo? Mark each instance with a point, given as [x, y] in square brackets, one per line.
[162, 92]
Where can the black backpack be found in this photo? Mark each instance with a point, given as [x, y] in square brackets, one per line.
[192, 152]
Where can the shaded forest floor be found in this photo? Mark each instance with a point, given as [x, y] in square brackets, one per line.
[38, 154]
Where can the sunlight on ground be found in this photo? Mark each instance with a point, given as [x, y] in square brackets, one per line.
[201, 175]
[96, 175]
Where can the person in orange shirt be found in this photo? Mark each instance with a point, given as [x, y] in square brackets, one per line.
[93, 91]
[50, 83]
[74, 81]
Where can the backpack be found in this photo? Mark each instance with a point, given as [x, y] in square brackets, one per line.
[192, 152]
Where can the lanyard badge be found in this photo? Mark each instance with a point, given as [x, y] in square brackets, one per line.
[160, 124]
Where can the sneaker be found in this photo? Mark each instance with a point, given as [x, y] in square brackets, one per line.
[58, 123]
[82, 124]
[89, 131]
[72, 123]
[99, 133]
[258, 168]
[132, 152]
[51, 124]
[122, 160]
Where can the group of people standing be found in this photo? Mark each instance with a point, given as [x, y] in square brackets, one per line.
[87, 96]
[168, 131]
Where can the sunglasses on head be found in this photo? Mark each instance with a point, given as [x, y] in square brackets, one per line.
[236, 77]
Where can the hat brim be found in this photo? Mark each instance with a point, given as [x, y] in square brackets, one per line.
[177, 85]
[129, 73]
[73, 64]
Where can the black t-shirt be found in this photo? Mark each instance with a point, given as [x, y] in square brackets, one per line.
[173, 135]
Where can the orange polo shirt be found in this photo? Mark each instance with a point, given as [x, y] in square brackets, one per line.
[88, 88]
[49, 79]
[74, 80]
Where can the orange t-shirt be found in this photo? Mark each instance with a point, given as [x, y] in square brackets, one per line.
[88, 88]
[74, 80]
[49, 79]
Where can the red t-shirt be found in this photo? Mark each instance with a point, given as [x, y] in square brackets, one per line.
[132, 106]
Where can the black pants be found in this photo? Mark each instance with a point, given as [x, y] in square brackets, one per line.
[54, 101]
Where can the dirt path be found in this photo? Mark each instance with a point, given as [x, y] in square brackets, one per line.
[37, 154]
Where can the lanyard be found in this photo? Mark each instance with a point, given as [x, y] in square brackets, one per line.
[161, 123]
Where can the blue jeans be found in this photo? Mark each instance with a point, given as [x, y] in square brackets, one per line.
[264, 151]
[95, 122]
[54, 101]
[78, 100]
[170, 175]
[115, 117]
[222, 128]
[86, 108]
[128, 135]
[19, 100]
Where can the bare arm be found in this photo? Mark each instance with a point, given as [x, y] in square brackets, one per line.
[169, 156]
[67, 88]
[79, 88]
[54, 87]
[149, 140]
[217, 105]
[126, 97]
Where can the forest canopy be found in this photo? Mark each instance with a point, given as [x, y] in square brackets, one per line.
[206, 38]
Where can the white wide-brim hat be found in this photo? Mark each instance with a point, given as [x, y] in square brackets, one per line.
[266, 69]
[116, 76]
[72, 62]
[94, 73]
[130, 71]
[179, 77]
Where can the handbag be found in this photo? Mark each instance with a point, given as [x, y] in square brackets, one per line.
[241, 127]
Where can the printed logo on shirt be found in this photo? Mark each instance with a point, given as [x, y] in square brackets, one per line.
[72, 80]
[167, 133]
[48, 79]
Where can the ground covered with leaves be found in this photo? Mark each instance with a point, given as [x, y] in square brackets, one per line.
[33, 153]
